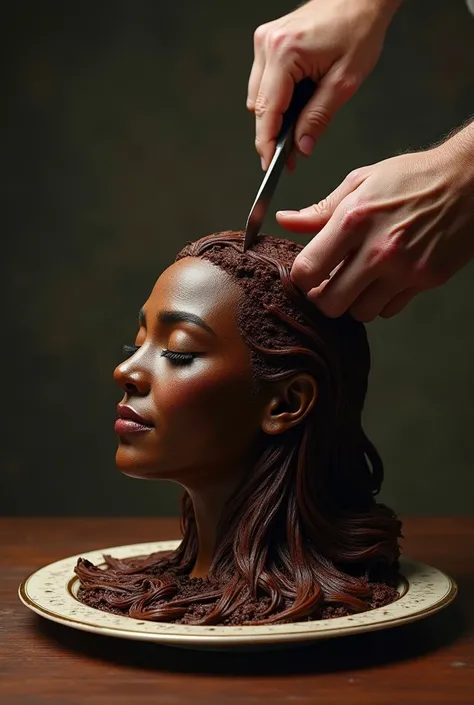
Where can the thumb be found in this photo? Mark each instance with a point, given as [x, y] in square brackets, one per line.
[313, 218]
[332, 92]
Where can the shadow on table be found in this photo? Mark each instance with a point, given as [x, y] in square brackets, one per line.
[326, 656]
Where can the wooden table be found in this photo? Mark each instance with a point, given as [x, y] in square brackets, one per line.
[42, 663]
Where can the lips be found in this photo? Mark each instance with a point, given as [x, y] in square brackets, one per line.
[130, 421]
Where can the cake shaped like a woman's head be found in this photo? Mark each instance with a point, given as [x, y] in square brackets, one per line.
[240, 390]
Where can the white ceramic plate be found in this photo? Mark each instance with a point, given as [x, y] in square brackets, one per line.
[52, 590]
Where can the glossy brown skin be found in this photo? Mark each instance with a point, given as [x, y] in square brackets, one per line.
[206, 416]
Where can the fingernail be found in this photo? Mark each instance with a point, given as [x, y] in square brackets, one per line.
[262, 162]
[306, 145]
[285, 213]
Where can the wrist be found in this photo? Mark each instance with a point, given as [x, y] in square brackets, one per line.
[381, 11]
[385, 6]
[457, 157]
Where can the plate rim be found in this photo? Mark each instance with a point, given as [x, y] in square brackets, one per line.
[219, 640]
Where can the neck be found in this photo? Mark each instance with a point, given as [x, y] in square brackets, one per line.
[208, 503]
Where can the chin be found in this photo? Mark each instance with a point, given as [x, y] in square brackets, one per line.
[132, 463]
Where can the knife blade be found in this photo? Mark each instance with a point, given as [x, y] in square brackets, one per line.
[284, 143]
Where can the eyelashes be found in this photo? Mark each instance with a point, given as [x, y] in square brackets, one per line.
[177, 358]
[129, 350]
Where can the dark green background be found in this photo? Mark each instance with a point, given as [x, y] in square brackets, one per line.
[125, 135]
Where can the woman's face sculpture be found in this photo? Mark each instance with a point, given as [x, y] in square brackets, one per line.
[189, 382]
[228, 354]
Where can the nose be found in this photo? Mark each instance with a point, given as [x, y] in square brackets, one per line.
[133, 379]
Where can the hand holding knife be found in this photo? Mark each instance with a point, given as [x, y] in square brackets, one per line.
[302, 93]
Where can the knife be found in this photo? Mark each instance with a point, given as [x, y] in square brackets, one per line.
[301, 95]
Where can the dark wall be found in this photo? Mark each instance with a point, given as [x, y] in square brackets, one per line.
[125, 134]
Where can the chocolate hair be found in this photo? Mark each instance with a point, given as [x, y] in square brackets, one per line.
[303, 532]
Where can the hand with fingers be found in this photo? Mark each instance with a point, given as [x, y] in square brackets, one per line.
[334, 42]
[389, 231]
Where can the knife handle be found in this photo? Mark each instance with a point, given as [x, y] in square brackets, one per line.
[303, 91]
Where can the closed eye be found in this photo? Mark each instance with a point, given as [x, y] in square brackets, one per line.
[129, 350]
[178, 358]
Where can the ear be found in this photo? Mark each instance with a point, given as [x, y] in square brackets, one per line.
[290, 402]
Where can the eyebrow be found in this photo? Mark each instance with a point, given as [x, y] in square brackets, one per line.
[169, 317]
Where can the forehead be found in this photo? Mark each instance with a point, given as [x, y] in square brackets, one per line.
[197, 286]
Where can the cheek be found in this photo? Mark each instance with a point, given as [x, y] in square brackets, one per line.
[207, 407]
